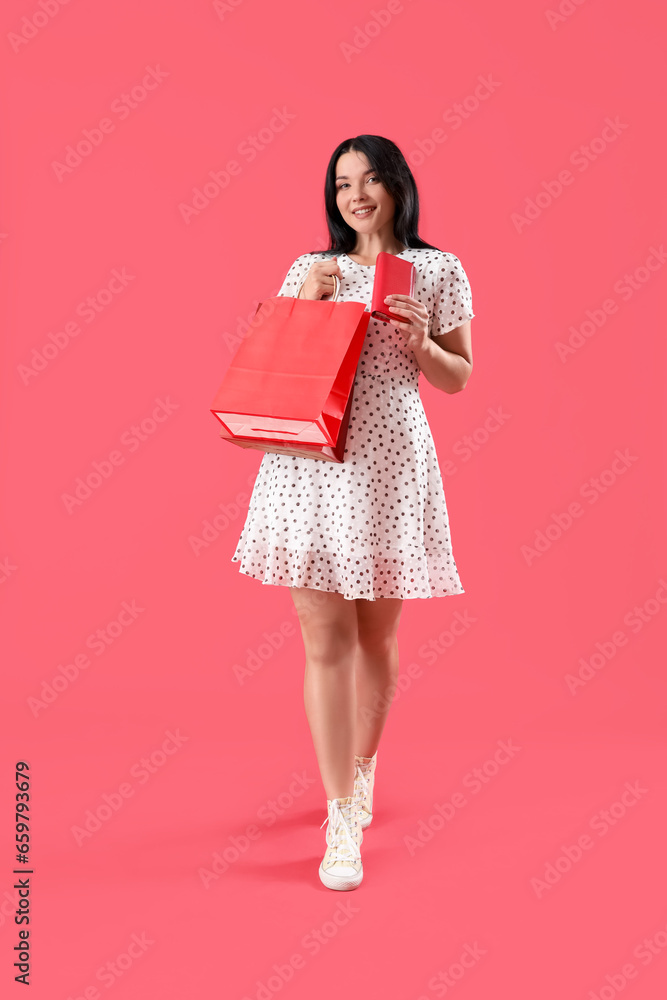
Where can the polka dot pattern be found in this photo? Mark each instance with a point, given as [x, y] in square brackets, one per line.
[376, 525]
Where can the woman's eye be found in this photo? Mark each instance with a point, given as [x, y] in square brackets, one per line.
[345, 184]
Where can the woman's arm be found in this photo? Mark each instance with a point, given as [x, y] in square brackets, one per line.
[446, 361]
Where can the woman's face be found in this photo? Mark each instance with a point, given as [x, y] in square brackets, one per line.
[358, 187]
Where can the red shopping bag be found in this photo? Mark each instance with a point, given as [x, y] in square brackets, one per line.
[289, 386]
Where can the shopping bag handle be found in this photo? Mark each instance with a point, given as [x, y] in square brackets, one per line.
[335, 293]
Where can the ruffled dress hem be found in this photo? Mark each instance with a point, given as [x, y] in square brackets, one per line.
[355, 578]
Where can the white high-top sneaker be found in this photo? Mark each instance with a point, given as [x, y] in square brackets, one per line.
[341, 866]
[364, 782]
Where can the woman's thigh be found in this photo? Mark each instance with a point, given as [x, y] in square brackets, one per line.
[328, 621]
[378, 620]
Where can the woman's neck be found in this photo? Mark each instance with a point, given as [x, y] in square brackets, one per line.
[368, 257]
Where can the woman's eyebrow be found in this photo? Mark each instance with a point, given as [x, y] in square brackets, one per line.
[344, 177]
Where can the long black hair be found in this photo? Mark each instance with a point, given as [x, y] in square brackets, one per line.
[388, 162]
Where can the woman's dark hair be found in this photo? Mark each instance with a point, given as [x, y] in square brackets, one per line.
[386, 159]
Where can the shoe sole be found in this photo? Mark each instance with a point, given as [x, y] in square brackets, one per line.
[340, 881]
[366, 821]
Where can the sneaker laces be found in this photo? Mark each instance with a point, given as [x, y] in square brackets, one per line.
[339, 838]
[364, 782]
[364, 772]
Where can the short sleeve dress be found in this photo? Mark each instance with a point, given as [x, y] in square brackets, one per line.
[375, 525]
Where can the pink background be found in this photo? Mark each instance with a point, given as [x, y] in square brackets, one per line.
[126, 907]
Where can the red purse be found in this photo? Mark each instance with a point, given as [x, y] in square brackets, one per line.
[289, 386]
[393, 276]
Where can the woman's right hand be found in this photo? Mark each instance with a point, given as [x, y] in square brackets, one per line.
[319, 283]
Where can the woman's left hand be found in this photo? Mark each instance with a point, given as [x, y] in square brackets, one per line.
[414, 325]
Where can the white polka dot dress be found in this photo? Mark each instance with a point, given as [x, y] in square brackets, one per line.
[375, 525]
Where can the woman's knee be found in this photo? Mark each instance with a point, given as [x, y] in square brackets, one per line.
[329, 643]
[328, 625]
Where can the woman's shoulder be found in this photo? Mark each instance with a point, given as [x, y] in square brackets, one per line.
[432, 254]
[316, 253]
[432, 263]
[306, 259]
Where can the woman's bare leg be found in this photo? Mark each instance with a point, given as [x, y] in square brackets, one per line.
[329, 631]
[376, 669]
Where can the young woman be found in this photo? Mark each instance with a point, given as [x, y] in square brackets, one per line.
[353, 540]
